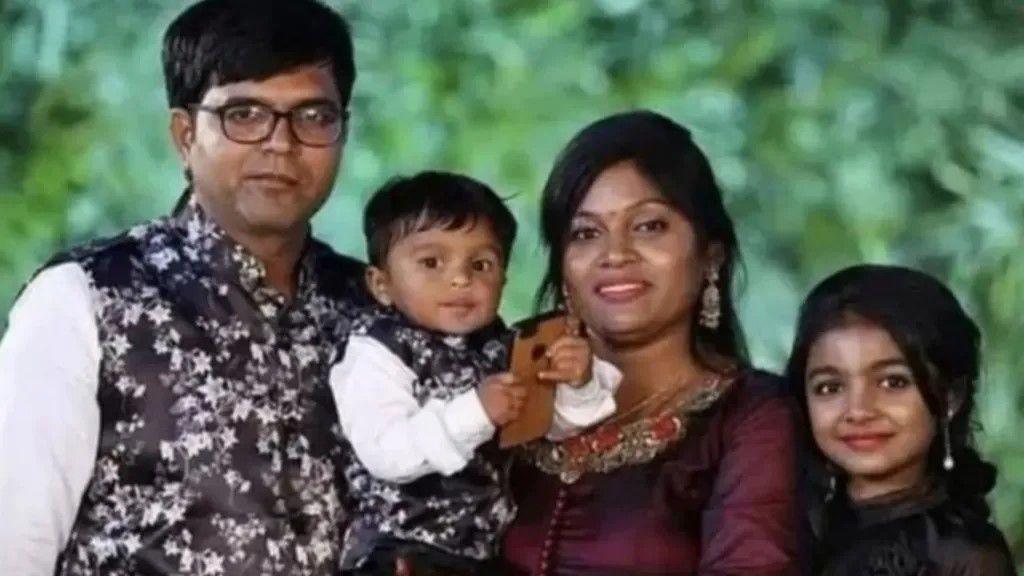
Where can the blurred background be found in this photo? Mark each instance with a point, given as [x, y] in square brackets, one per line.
[842, 131]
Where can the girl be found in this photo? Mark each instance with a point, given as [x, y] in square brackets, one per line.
[885, 366]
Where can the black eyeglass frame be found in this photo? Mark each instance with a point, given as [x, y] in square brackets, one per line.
[277, 116]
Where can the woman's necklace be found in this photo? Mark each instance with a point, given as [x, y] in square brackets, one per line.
[626, 439]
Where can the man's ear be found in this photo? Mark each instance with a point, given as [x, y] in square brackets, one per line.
[183, 133]
[379, 284]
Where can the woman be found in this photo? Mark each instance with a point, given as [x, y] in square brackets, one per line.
[694, 474]
[885, 365]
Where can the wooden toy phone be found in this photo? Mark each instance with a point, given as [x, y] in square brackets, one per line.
[533, 337]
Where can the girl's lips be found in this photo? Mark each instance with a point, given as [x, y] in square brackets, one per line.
[621, 291]
[865, 442]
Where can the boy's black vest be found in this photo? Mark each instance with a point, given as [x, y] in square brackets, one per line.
[464, 514]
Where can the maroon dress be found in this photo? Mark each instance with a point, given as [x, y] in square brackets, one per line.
[720, 500]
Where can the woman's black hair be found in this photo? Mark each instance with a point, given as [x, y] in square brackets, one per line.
[664, 153]
[940, 343]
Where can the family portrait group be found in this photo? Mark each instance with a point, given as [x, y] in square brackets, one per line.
[611, 288]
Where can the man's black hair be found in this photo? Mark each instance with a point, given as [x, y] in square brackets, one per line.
[215, 42]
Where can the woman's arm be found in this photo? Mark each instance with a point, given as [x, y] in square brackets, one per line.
[749, 525]
[578, 408]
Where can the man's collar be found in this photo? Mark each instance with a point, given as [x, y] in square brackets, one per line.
[206, 242]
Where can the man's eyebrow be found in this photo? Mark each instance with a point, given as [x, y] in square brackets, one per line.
[236, 100]
[316, 101]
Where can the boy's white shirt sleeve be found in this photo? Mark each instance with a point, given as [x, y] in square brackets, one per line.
[49, 417]
[579, 408]
[392, 435]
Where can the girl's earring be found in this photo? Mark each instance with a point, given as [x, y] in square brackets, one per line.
[833, 481]
[948, 462]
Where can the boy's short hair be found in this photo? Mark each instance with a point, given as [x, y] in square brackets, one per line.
[215, 42]
[428, 200]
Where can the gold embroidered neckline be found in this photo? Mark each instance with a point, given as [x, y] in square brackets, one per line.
[613, 445]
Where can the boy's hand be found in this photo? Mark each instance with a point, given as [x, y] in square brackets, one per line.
[502, 398]
[570, 358]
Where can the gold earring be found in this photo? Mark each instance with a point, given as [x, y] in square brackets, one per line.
[711, 302]
[566, 303]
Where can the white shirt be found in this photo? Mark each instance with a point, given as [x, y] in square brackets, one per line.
[49, 417]
[398, 440]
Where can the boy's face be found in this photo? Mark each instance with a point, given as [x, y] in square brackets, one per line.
[444, 280]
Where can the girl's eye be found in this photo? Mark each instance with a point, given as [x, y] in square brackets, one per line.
[430, 262]
[654, 225]
[483, 265]
[895, 382]
[826, 388]
[581, 233]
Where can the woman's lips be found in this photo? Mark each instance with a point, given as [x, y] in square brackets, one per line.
[865, 442]
[621, 291]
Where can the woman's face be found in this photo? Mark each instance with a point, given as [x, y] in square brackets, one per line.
[867, 413]
[632, 268]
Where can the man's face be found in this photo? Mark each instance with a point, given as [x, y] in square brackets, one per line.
[267, 188]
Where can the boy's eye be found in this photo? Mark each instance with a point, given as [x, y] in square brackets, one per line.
[430, 262]
[653, 225]
[483, 265]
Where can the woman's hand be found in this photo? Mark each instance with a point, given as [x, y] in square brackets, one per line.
[570, 357]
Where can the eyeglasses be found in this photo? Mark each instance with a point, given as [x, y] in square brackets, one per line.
[317, 125]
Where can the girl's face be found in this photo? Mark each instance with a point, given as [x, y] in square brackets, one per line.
[866, 410]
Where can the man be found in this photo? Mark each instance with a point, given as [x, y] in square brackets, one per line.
[164, 406]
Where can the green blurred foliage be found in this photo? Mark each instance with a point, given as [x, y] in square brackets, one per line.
[842, 131]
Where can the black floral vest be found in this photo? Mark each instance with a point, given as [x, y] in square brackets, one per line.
[219, 448]
[463, 514]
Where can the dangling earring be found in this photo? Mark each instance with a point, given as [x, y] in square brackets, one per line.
[711, 302]
[565, 304]
[947, 463]
[830, 492]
